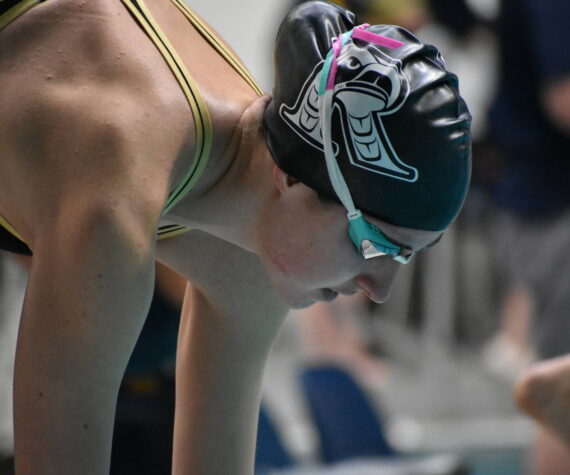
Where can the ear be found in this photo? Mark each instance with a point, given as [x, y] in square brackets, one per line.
[282, 180]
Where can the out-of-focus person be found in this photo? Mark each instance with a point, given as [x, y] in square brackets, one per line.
[531, 122]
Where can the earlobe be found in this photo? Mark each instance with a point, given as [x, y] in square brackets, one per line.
[282, 180]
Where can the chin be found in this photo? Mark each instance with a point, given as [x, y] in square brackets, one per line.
[296, 300]
[303, 305]
[299, 303]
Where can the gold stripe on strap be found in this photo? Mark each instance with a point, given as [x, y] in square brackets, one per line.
[202, 120]
[20, 8]
[8, 227]
[165, 232]
[213, 39]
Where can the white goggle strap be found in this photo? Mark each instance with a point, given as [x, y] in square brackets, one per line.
[367, 248]
[337, 180]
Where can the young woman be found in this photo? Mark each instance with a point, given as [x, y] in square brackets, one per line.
[127, 123]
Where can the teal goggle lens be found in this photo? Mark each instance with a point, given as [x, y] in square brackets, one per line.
[371, 242]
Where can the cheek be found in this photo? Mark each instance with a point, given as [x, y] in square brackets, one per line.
[312, 266]
[288, 273]
[309, 251]
[293, 259]
[295, 299]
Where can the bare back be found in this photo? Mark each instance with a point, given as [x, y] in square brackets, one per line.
[94, 134]
[69, 66]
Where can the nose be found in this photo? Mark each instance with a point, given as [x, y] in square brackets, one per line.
[377, 285]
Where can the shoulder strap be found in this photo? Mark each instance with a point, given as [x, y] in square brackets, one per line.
[211, 37]
[10, 9]
[200, 112]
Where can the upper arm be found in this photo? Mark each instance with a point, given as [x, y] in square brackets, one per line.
[88, 295]
[93, 225]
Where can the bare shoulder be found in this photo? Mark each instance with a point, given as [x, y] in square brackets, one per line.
[85, 98]
[88, 54]
[227, 274]
[74, 41]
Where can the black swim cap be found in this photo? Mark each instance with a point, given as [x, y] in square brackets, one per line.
[400, 129]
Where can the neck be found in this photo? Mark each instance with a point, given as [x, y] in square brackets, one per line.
[231, 208]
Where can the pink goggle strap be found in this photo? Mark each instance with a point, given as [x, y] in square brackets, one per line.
[336, 47]
[361, 34]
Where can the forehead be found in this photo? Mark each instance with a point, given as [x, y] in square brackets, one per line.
[414, 239]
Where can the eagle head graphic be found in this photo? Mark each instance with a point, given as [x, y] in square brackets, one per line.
[369, 84]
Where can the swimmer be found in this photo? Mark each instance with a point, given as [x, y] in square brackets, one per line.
[131, 133]
[543, 392]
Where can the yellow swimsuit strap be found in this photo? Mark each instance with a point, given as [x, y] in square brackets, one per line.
[190, 89]
[198, 106]
[200, 112]
[8, 227]
[217, 44]
[5, 18]
[20, 8]
[199, 109]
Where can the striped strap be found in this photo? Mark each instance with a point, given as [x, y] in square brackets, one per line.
[200, 112]
[18, 9]
[8, 227]
[217, 43]
[170, 230]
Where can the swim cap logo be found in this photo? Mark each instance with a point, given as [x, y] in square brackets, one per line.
[368, 87]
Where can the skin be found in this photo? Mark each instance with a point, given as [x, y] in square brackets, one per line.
[88, 160]
[556, 102]
[543, 391]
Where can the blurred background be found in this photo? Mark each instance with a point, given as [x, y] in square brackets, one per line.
[423, 383]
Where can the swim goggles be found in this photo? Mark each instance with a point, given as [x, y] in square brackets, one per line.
[367, 238]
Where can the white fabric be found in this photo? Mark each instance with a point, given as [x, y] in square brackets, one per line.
[12, 288]
[337, 180]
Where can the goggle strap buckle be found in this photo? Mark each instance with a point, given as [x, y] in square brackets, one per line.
[352, 215]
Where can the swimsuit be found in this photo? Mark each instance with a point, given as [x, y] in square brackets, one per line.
[11, 9]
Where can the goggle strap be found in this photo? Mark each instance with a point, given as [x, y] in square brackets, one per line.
[325, 92]
[328, 72]
[361, 34]
[337, 180]
[404, 260]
